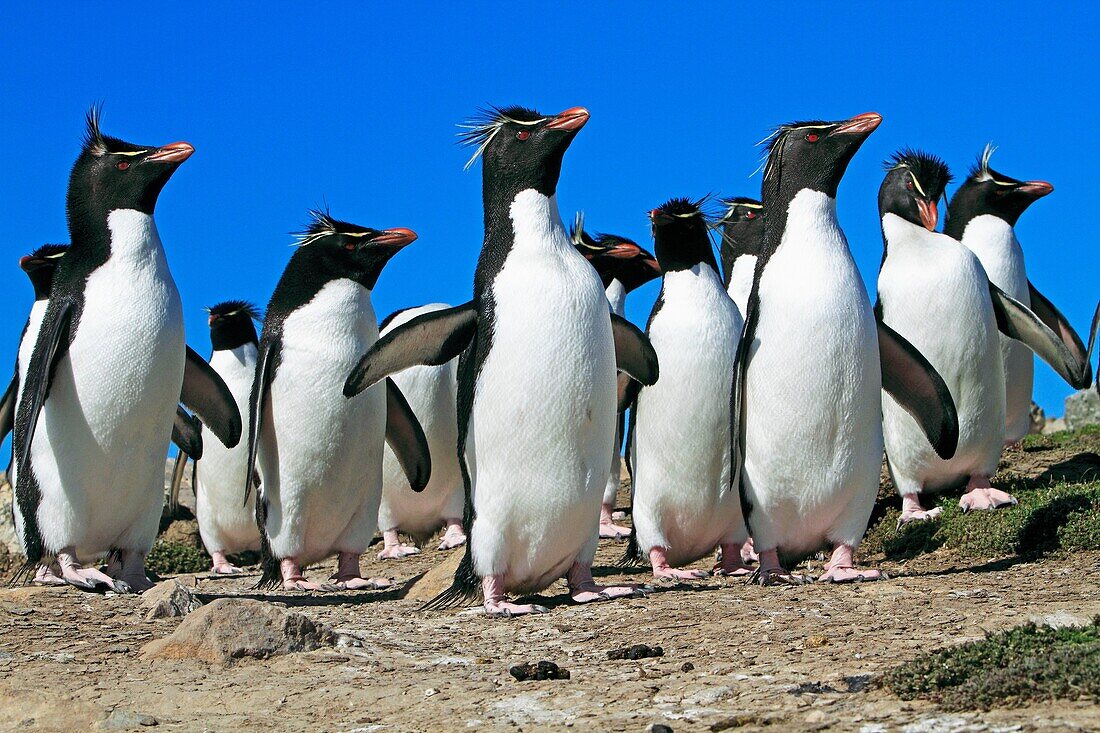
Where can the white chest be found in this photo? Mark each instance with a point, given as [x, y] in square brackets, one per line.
[994, 241]
[616, 296]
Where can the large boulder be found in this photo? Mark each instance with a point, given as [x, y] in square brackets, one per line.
[231, 629]
[1082, 408]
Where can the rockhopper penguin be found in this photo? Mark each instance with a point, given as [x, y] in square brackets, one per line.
[623, 266]
[536, 380]
[106, 373]
[811, 363]
[320, 455]
[432, 393]
[742, 229]
[983, 215]
[680, 427]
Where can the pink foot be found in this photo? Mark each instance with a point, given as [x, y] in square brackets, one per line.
[981, 495]
[731, 564]
[842, 569]
[133, 571]
[76, 574]
[658, 560]
[608, 529]
[222, 566]
[770, 572]
[349, 577]
[583, 588]
[393, 548]
[618, 516]
[45, 575]
[497, 604]
[912, 511]
[293, 580]
[454, 536]
[748, 552]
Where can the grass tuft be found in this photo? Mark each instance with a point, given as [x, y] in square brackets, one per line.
[1026, 664]
[173, 558]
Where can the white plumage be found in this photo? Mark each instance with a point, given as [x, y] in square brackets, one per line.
[994, 242]
[744, 269]
[543, 421]
[227, 523]
[681, 448]
[98, 452]
[813, 436]
[430, 392]
[320, 453]
[934, 293]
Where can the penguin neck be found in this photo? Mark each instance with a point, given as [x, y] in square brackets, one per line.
[306, 274]
[95, 239]
[227, 339]
[527, 223]
[729, 256]
[904, 238]
[779, 203]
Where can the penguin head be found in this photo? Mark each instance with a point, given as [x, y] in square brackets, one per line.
[614, 257]
[815, 154]
[742, 226]
[232, 324]
[681, 235]
[985, 191]
[915, 181]
[40, 266]
[112, 174]
[520, 148]
[346, 250]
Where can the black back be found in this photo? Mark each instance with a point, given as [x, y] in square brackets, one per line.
[232, 324]
[742, 229]
[985, 191]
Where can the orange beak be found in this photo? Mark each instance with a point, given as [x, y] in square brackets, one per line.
[929, 215]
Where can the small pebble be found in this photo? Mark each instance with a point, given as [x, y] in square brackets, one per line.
[543, 670]
[638, 651]
[659, 728]
[687, 667]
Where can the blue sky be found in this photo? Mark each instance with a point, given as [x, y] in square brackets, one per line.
[357, 106]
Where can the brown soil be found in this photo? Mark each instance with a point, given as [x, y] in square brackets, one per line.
[736, 657]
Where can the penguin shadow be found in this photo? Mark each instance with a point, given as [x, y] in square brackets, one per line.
[304, 599]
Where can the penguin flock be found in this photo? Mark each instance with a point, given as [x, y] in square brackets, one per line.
[762, 393]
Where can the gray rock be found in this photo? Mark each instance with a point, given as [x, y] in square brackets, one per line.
[8, 540]
[231, 629]
[1054, 425]
[126, 720]
[1038, 419]
[1082, 408]
[168, 599]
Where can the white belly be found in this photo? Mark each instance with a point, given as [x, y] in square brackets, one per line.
[813, 436]
[681, 449]
[543, 417]
[430, 392]
[744, 269]
[934, 294]
[321, 454]
[98, 452]
[994, 241]
[226, 522]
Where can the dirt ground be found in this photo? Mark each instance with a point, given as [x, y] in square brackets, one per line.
[736, 657]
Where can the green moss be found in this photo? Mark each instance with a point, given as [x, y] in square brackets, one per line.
[1061, 438]
[173, 558]
[1063, 517]
[1009, 669]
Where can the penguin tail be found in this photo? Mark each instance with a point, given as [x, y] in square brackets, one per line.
[23, 575]
[463, 591]
[632, 557]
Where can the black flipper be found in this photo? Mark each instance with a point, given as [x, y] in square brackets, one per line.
[916, 385]
[627, 391]
[1017, 321]
[633, 352]
[7, 408]
[179, 468]
[405, 436]
[1056, 322]
[205, 394]
[187, 434]
[53, 343]
[430, 339]
[1092, 342]
[632, 556]
[267, 361]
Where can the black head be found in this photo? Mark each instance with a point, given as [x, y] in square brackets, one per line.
[520, 148]
[40, 266]
[338, 249]
[985, 191]
[742, 229]
[614, 257]
[681, 235]
[232, 324]
[814, 154]
[111, 174]
[915, 181]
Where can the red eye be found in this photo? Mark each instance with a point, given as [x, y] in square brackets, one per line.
[909, 185]
[813, 137]
[350, 246]
[522, 135]
[123, 165]
[750, 215]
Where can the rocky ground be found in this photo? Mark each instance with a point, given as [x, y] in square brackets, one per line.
[735, 656]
